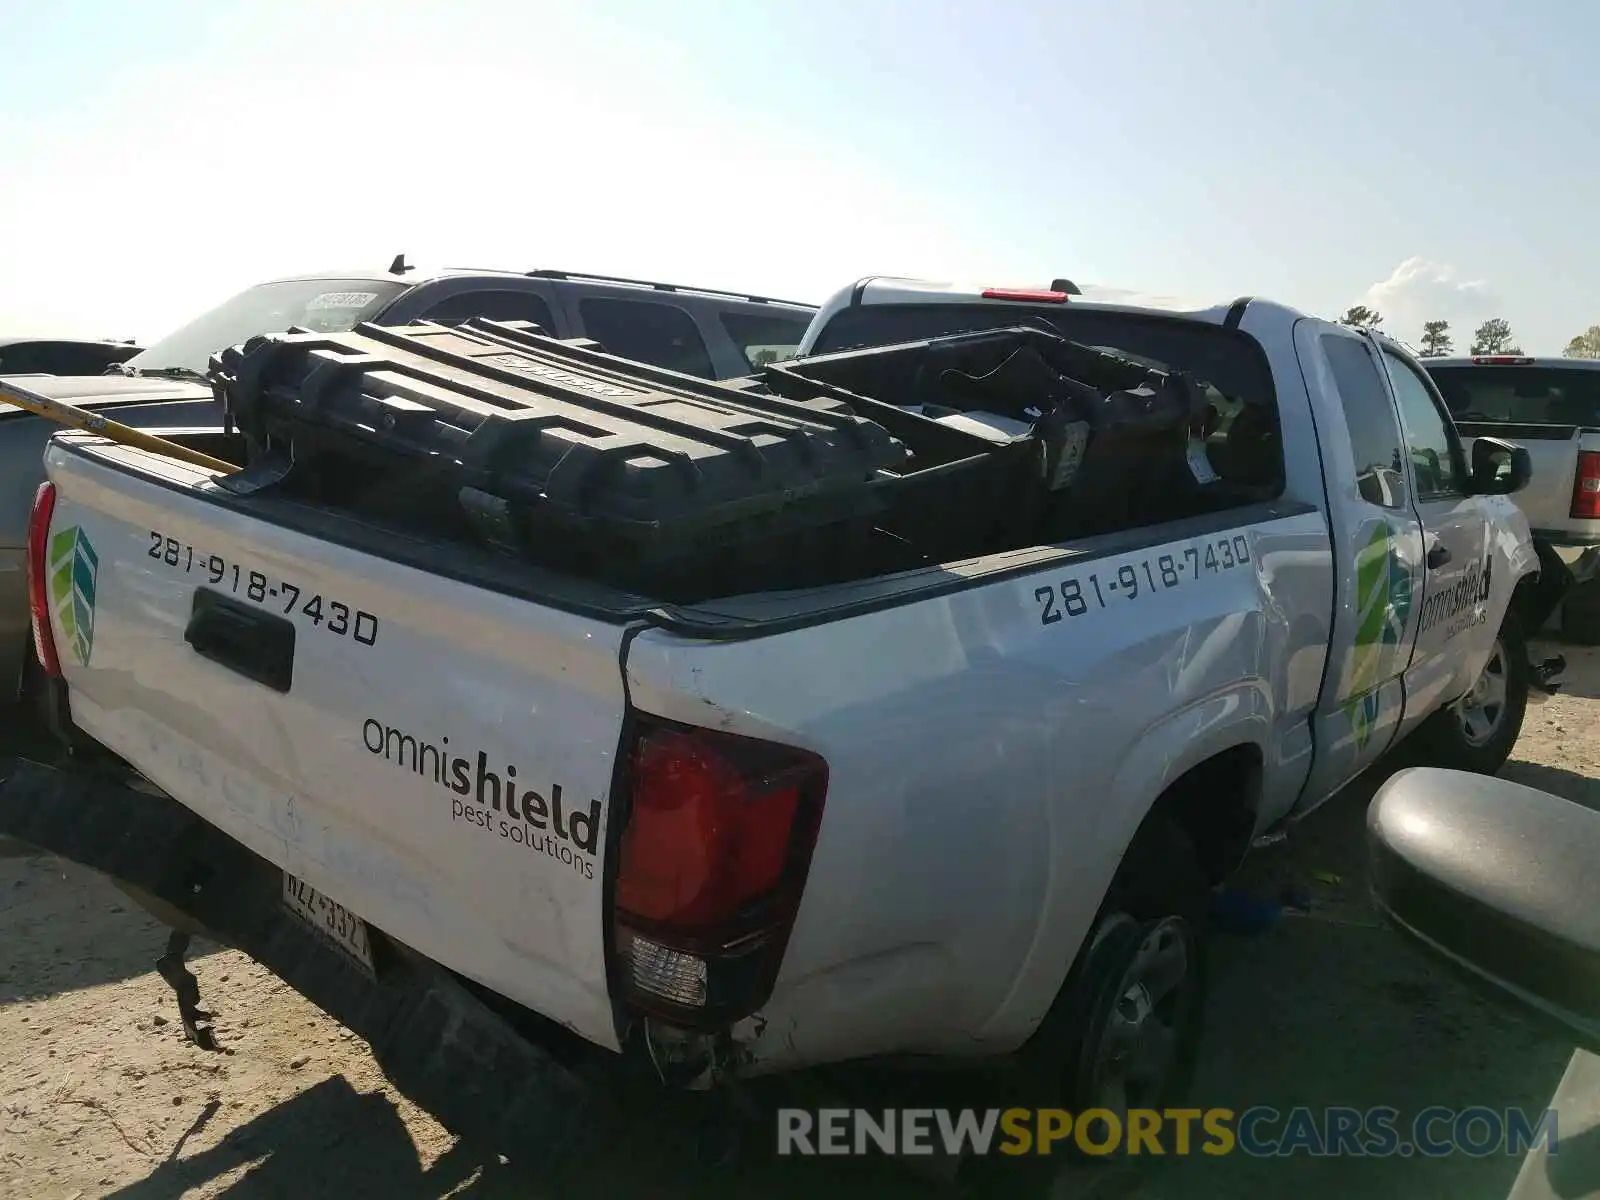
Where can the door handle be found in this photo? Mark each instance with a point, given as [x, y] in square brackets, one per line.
[242, 638]
[1438, 555]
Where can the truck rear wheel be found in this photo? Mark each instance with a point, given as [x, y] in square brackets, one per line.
[1124, 1030]
[1478, 731]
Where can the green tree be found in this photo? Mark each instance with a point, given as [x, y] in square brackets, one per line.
[1585, 345]
[1359, 316]
[1436, 341]
[1494, 337]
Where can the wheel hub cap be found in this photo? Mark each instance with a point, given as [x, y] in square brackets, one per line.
[1482, 709]
[1139, 1043]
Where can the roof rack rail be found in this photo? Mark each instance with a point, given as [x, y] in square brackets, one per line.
[548, 273]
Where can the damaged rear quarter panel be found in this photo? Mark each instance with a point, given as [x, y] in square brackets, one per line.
[986, 766]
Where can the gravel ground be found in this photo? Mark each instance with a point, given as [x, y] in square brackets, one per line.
[101, 1096]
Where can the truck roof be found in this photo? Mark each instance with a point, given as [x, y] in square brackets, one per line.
[414, 276]
[893, 290]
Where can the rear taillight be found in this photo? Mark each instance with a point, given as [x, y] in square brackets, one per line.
[44, 641]
[1586, 486]
[1501, 360]
[1026, 295]
[713, 860]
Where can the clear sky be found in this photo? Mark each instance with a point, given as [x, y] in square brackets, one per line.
[1431, 159]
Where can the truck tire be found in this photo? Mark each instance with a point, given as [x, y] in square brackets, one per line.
[1580, 614]
[1125, 1028]
[1477, 732]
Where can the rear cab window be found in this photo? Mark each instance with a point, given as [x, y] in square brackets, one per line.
[1244, 441]
[1520, 395]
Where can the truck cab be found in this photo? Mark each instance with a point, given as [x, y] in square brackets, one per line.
[1424, 535]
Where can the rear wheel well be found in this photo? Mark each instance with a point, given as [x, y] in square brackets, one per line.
[1536, 595]
[1526, 592]
[1215, 802]
[29, 696]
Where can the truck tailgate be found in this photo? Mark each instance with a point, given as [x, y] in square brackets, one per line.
[435, 757]
[1554, 450]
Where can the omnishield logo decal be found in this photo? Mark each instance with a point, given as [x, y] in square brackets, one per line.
[1383, 599]
[1460, 607]
[72, 568]
[497, 799]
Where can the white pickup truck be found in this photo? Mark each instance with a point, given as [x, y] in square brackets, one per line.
[1552, 407]
[970, 810]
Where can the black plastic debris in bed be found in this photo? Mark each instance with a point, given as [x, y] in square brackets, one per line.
[539, 441]
[822, 470]
[1096, 442]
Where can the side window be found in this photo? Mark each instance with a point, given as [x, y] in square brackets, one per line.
[1427, 436]
[765, 338]
[502, 304]
[1369, 416]
[647, 331]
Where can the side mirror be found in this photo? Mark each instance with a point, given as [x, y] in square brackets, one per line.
[1498, 878]
[1499, 467]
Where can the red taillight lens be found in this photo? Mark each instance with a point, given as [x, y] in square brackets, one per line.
[711, 867]
[1586, 486]
[705, 838]
[44, 641]
[1026, 295]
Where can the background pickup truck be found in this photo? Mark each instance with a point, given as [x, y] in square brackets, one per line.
[699, 331]
[1551, 406]
[964, 810]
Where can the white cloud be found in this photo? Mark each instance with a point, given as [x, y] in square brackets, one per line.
[1419, 290]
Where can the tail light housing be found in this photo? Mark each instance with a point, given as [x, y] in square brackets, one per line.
[1586, 487]
[713, 860]
[44, 640]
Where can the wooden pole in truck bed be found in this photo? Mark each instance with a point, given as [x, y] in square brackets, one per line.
[74, 417]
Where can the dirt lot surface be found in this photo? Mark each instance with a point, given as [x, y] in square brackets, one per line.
[100, 1095]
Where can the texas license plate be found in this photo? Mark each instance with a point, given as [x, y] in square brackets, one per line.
[332, 920]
